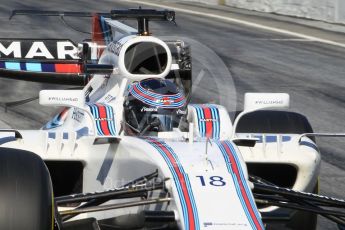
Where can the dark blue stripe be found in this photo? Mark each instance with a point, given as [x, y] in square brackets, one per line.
[309, 144]
[51, 135]
[95, 116]
[23, 66]
[46, 67]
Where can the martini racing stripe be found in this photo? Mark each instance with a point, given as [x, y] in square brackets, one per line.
[42, 67]
[242, 188]
[104, 119]
[106, 30]
[156, 95]
[158, 100]
[208, 121]
[101, 31]
[184, 189]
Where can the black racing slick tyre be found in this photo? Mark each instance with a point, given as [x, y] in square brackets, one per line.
[26, 194]
[271, 121]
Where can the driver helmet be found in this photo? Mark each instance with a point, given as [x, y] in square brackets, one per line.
[153, 105]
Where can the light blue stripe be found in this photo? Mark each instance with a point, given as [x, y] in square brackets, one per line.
[234, 178]
[196, 216]
[251, 200]
[12, 65]
[244, 183]
[202, 123]
[199, 122]
[96, 117]
[177, 183]
[37, 67]
[195, 211]
[214, 122]
[240, 171]
[98, 122]
[239, 193]
[216, 111]
[216, 125]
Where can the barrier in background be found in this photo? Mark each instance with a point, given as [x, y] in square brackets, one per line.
[324, 10]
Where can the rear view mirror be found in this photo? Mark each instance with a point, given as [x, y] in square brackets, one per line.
[69, 98]
[259, 101]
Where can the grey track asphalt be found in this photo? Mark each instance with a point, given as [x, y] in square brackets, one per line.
[259, 61]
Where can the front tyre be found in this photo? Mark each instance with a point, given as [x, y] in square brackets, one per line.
[26, 195]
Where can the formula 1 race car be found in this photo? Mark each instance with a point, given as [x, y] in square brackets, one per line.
[129, 150]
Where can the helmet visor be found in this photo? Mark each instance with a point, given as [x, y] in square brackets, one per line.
[162, 122]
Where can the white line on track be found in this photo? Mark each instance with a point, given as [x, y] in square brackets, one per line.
[243, 22]
[286, 39]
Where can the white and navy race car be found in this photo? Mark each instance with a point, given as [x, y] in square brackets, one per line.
[129, 150]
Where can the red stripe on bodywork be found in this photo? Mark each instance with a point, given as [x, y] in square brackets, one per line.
[104, 122]
[208, 121]
[68, 68]
[182, 183]
[97, 33]
[240, 182]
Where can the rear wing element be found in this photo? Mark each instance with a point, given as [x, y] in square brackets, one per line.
[38, 49]
[42, 60]
[48, 61]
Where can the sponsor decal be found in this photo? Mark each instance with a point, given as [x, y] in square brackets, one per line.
[269, 102]
[115, 47]
[78, 115]
[165, 101]
[210, 224]
[183, 112]
[109, 98]
[208, 120]
[38, 49]
[103, 119]
[63, 99]
[146, 109]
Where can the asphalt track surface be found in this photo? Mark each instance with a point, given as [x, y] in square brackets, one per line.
[259, 61]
